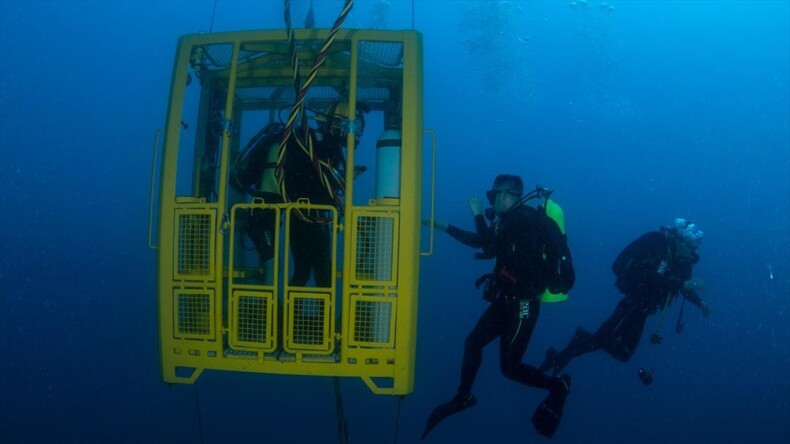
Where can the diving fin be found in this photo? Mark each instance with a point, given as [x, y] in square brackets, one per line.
[444, 411]
[548, 415]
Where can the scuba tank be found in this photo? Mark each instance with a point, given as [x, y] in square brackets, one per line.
[388, 149]
[565, 274]
[554, 212]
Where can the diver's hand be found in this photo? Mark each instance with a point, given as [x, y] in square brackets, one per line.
[705, 307]
[439, 225]
[475, 205]
[359, 169]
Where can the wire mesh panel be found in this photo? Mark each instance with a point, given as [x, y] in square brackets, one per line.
[194, 314]
[372, 318]
[388, 54]
[212, 57]
[308, 324]
[376, 237]
[253, 321]
[194, 245]
[255, 244]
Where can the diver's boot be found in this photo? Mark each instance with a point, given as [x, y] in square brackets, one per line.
[548, 415]
[582, 342]
[550, 361]
[554, 361]
[461, 401]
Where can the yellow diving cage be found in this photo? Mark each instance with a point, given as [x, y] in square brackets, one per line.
[222, 304]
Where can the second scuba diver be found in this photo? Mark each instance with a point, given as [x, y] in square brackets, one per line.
[517, 238]
[651, 271]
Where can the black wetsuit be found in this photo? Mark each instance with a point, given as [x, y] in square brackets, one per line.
[311, 242]
[261, 225]
[650, 274]
[516, 240]
[246, 178]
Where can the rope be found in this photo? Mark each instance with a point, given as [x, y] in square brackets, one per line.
[197, 408]
[297, 108]
[342, 422]
[305, 142]
[397, 417]
[213, 13]
[309, 20]
[412, 15]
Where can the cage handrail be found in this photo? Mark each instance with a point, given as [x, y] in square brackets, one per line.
[432, 133]
[157, 133]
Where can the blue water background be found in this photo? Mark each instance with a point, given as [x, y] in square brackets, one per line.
[634, 115]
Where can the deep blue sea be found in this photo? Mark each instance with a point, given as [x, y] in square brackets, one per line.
[634, 112]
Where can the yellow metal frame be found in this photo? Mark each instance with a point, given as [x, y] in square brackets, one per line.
[214, 312]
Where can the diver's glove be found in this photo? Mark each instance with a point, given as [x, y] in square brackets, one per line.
[694, 284]
[359, 169]
[705, 307]
[441, 226]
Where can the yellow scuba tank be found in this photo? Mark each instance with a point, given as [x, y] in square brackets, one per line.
[555, 213]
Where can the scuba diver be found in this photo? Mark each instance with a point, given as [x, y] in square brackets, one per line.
[319, 178]
[517, 237]
[310, 238]
[651, 272]
[253, 173]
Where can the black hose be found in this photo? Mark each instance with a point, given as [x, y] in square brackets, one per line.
[680, 323]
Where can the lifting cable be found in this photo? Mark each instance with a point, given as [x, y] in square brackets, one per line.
[412, 15]
[342, 422]
[306, 142]
[197, 408]
[309, 21]
[397, 417]
[213, 14]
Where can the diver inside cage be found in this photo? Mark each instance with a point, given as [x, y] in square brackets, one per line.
[319, 179]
